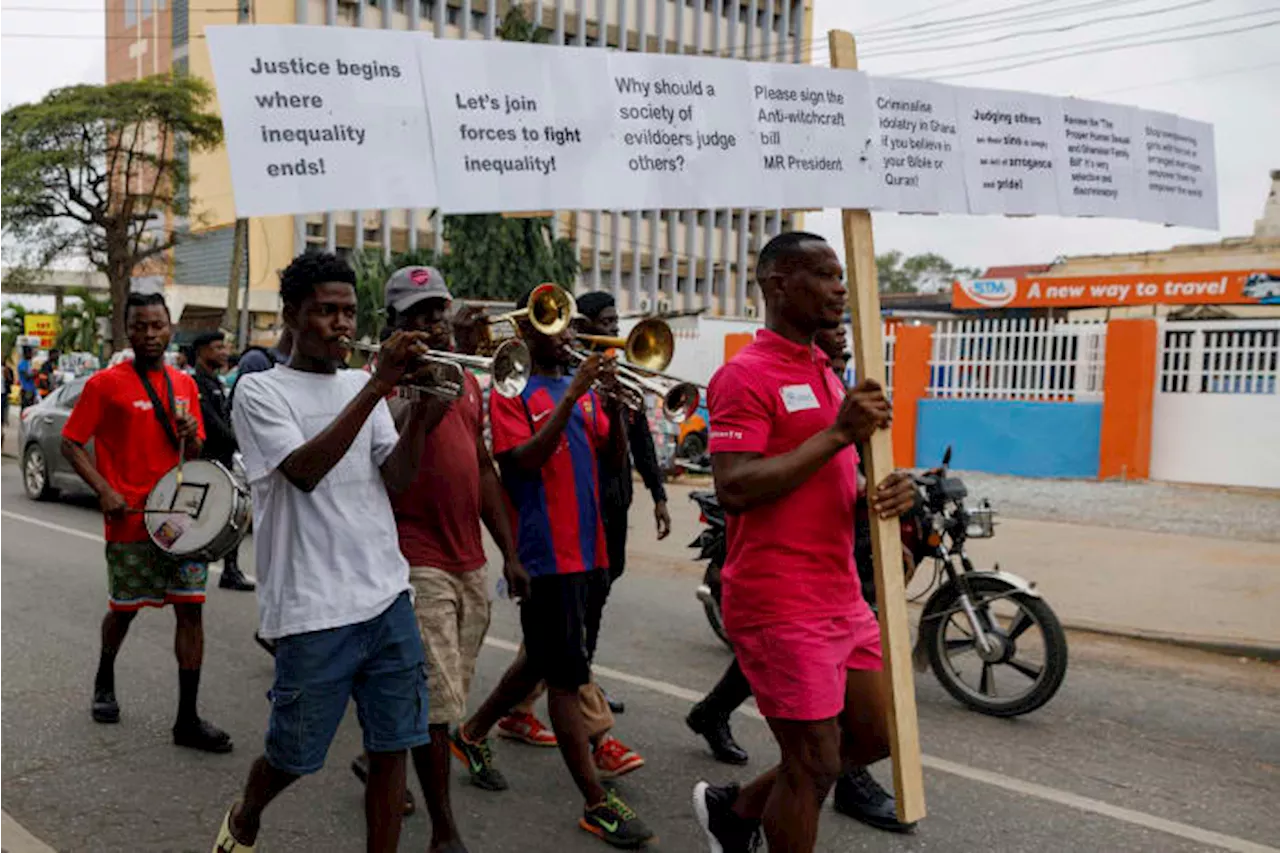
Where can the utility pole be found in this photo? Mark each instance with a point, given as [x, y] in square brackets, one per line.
[237, 310]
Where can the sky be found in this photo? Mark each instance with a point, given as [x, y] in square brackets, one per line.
[1229, 80]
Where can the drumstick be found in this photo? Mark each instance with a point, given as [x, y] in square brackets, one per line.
[181, 406]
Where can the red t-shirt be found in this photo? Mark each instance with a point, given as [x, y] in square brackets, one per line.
[791, 559]
[130, 448]
[559, 527]
[438, 517]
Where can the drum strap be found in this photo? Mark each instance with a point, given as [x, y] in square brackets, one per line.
[162, 415]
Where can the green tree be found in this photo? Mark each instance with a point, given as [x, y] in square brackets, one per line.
[925, 273]
[79, 321]
[14, 323]
[101, 172]
[494, 257]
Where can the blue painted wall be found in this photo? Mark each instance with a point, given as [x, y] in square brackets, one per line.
[1025, 439]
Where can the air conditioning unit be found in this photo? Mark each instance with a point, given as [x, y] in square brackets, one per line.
[643, 305]
[751, 310]
[664, 305]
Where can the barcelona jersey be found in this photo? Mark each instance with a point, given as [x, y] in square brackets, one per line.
[557, 509]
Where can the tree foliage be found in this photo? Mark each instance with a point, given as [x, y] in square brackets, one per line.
[101, 173]
[78, 323]
[925, 273]
[372, 272]
[492, 257]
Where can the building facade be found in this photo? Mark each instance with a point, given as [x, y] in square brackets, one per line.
[652, 260]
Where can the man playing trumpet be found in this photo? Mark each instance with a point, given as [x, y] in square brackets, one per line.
[438, 519]
[546, 442]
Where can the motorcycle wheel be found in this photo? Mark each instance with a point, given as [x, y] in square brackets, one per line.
[954, 653]
[711, 607]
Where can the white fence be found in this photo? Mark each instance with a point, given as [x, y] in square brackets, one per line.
[1018, 359]
[1216, 415]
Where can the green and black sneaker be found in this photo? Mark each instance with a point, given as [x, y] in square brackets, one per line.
[616, 823]
[479, 760]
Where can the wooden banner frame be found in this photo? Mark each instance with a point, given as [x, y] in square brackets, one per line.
[886, 537]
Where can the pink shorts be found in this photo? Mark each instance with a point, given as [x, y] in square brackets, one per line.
[797, 669]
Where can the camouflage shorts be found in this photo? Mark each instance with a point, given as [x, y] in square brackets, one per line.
[141, 575]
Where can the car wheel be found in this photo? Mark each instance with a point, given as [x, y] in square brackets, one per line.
[35, 474]
[693, 446]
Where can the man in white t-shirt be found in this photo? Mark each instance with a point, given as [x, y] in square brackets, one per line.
[321, 452]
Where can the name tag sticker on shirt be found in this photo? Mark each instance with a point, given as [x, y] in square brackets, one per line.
[798, 398]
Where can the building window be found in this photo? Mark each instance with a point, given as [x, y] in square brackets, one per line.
[130, 13]
[426, 8]
[451, 15]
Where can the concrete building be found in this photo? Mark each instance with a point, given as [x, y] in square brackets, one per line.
[651, 259]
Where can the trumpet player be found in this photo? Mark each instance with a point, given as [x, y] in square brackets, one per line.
[322, 455]
[438, 519]
[548, 441]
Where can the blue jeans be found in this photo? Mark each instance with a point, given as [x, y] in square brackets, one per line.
[380, 663]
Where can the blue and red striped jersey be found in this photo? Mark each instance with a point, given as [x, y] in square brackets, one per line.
[558, 524]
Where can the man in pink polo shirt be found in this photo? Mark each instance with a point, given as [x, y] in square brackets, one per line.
[785, 467]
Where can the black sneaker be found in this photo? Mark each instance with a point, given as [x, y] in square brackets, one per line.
[860, 797]
[726, 832]
[479, 760]
[202, 735]
[615, 823]
[105, 709]
[234, 579]
[714, 728]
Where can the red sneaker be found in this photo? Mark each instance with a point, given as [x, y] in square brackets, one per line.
[526, 728]
[614, 758]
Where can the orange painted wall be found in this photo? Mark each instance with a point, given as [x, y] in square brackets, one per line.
[1128, 395]
[910, 382]
[734, 343]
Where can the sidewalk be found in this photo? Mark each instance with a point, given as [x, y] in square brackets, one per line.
[1214, 593]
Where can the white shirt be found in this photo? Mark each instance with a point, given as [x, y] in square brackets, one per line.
[330, 557]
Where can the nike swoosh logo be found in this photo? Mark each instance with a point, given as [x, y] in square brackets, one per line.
[539, 416]
[608, 826]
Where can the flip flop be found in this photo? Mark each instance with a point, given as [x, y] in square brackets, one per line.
[226, 842]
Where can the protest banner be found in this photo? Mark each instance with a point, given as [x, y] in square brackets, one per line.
[323, 118]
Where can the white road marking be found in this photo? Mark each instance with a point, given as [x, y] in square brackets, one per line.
[975, 774]
[996, 780]
[18, 840]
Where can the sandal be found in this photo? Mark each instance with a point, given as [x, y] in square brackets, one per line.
[226, 842]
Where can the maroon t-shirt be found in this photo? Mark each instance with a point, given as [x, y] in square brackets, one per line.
[438, 517]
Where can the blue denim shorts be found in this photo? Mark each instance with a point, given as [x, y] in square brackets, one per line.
[380, 663]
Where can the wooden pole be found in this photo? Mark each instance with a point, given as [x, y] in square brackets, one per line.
[886, 541]
[239, 241]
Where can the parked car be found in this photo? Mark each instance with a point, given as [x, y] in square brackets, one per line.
[45, 472]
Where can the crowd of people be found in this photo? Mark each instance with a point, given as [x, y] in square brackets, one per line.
[388, 606]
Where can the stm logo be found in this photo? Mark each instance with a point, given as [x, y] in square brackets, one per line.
[991, 292]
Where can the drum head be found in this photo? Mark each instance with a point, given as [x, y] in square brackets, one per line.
[183, 519]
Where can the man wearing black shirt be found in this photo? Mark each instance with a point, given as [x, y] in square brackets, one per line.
[209, 355]
[599, 316]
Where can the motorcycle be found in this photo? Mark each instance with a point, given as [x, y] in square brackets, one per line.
[975, 623]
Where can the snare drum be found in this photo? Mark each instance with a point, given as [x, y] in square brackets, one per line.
[204, 518]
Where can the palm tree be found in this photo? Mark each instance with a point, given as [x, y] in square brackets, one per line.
[79, 322]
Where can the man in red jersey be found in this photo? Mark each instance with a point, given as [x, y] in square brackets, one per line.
[138, 414]
[785, 467]
[546, 442]
[438, 518]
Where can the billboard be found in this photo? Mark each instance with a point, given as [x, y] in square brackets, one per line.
[42, 326]
[1224, 287]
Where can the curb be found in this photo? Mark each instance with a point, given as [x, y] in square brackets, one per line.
[1235, 648]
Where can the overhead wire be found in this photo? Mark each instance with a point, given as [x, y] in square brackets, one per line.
[1041, 52]
[1092, 22]
[987, 19]
[1190, 79]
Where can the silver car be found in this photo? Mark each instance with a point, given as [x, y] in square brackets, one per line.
[45, 472]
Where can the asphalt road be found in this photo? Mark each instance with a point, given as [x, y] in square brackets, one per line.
[1146, 748]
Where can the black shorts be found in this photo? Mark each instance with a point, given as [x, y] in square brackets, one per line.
[555, 619]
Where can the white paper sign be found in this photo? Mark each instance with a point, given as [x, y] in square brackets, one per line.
[516, 127]
[322, 118]
[1178, 181]
[814, 128]
[1098, 175]
[680, 136]
[918, 146]
[1011, 146]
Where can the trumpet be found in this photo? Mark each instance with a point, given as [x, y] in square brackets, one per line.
[439, 374]
[679, 399]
